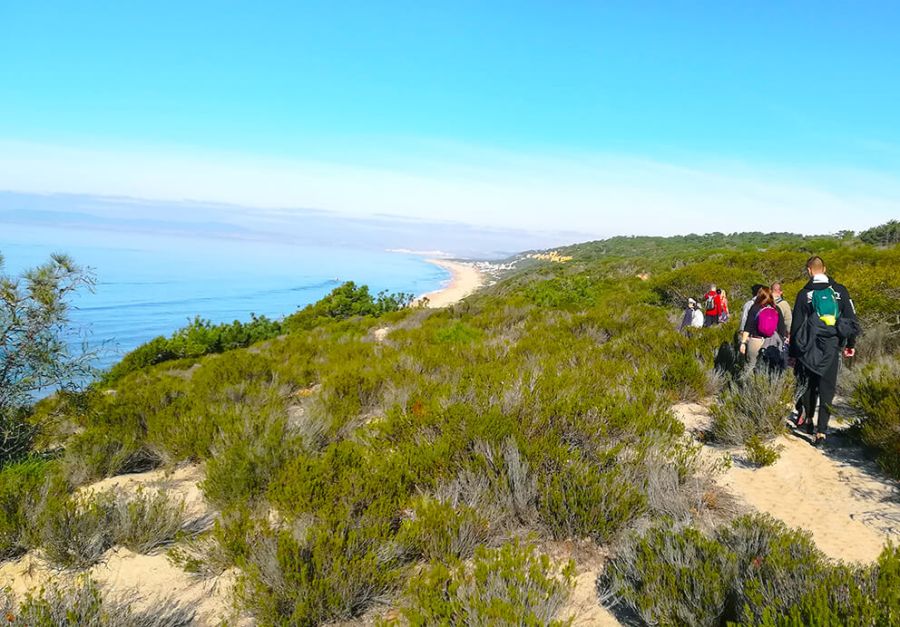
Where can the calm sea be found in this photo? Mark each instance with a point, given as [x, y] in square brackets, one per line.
[150, 285]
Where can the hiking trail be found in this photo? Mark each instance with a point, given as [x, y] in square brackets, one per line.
[837, 493]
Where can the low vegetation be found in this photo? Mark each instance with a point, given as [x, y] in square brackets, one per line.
[202, 337]
[346, 466]
[75, 531]
[511, 585]
[752, 572]
[877, 398]
[83, 604]
[753, 407]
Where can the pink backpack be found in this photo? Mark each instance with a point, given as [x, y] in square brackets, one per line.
[767, 321]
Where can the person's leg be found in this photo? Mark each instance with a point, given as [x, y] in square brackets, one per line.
[806, 402]
[827, 385]
[753, 347]
[802, 376]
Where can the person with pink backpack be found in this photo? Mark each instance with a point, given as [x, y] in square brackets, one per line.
[764, 327]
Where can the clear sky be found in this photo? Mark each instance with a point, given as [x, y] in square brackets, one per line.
[599, 117]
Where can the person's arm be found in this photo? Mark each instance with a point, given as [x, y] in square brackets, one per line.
[798, 319]
[788, 317]
[744, 311]
[848, 312]
[748, 328]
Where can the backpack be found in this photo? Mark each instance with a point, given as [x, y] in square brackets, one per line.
[710, 302]
[767, 321]
[826, 305]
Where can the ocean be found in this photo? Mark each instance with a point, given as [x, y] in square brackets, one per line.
[152, 284]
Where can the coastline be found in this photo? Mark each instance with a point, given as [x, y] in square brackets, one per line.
[465, 278]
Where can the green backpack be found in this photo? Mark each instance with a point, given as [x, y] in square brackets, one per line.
[826, 304]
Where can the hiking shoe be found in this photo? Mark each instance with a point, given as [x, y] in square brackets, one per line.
[819, 440]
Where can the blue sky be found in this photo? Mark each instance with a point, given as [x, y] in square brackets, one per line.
[598, 117]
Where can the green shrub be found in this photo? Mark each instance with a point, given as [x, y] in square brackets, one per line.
[74, 531]
[346, 301]
[877, 397]
[776, 565]
[457, 333]
[760, 453]
[670, 575]
[756, 404]
[510, 585]
[439, 531]
[20, 486]
[246, 456]
[582, 499]
[17, 435]
[330, 572]
[149, 519]
[754, 572]
[100, 452]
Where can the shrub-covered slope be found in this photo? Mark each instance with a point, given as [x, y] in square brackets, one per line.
[348, 467]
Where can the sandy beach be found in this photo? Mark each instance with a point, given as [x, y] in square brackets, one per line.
[465, 279]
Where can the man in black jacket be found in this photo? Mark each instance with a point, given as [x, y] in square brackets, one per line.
[818, 336]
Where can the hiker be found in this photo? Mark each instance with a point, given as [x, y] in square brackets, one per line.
[713, 306]
[746, 308]
[785, 308]
[693, 317]
[763, 328]
[723, 315]
[824, 322]
[782, 304]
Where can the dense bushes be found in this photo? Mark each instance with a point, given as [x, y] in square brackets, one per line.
[200, 337]
[346, 301]
[754, 571]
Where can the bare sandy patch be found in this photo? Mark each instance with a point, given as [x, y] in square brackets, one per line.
[180, 483]
[583, 604]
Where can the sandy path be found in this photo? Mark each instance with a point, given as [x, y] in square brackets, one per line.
[583, 605]
[465, 279]
[836, 493]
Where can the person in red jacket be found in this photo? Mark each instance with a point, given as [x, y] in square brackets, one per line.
[713, 306]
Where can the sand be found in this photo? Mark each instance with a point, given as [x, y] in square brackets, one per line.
[835, 493]
[583, 605]
[465, 279]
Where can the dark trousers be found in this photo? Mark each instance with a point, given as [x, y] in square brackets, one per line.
[817, 389]
[709, 321]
